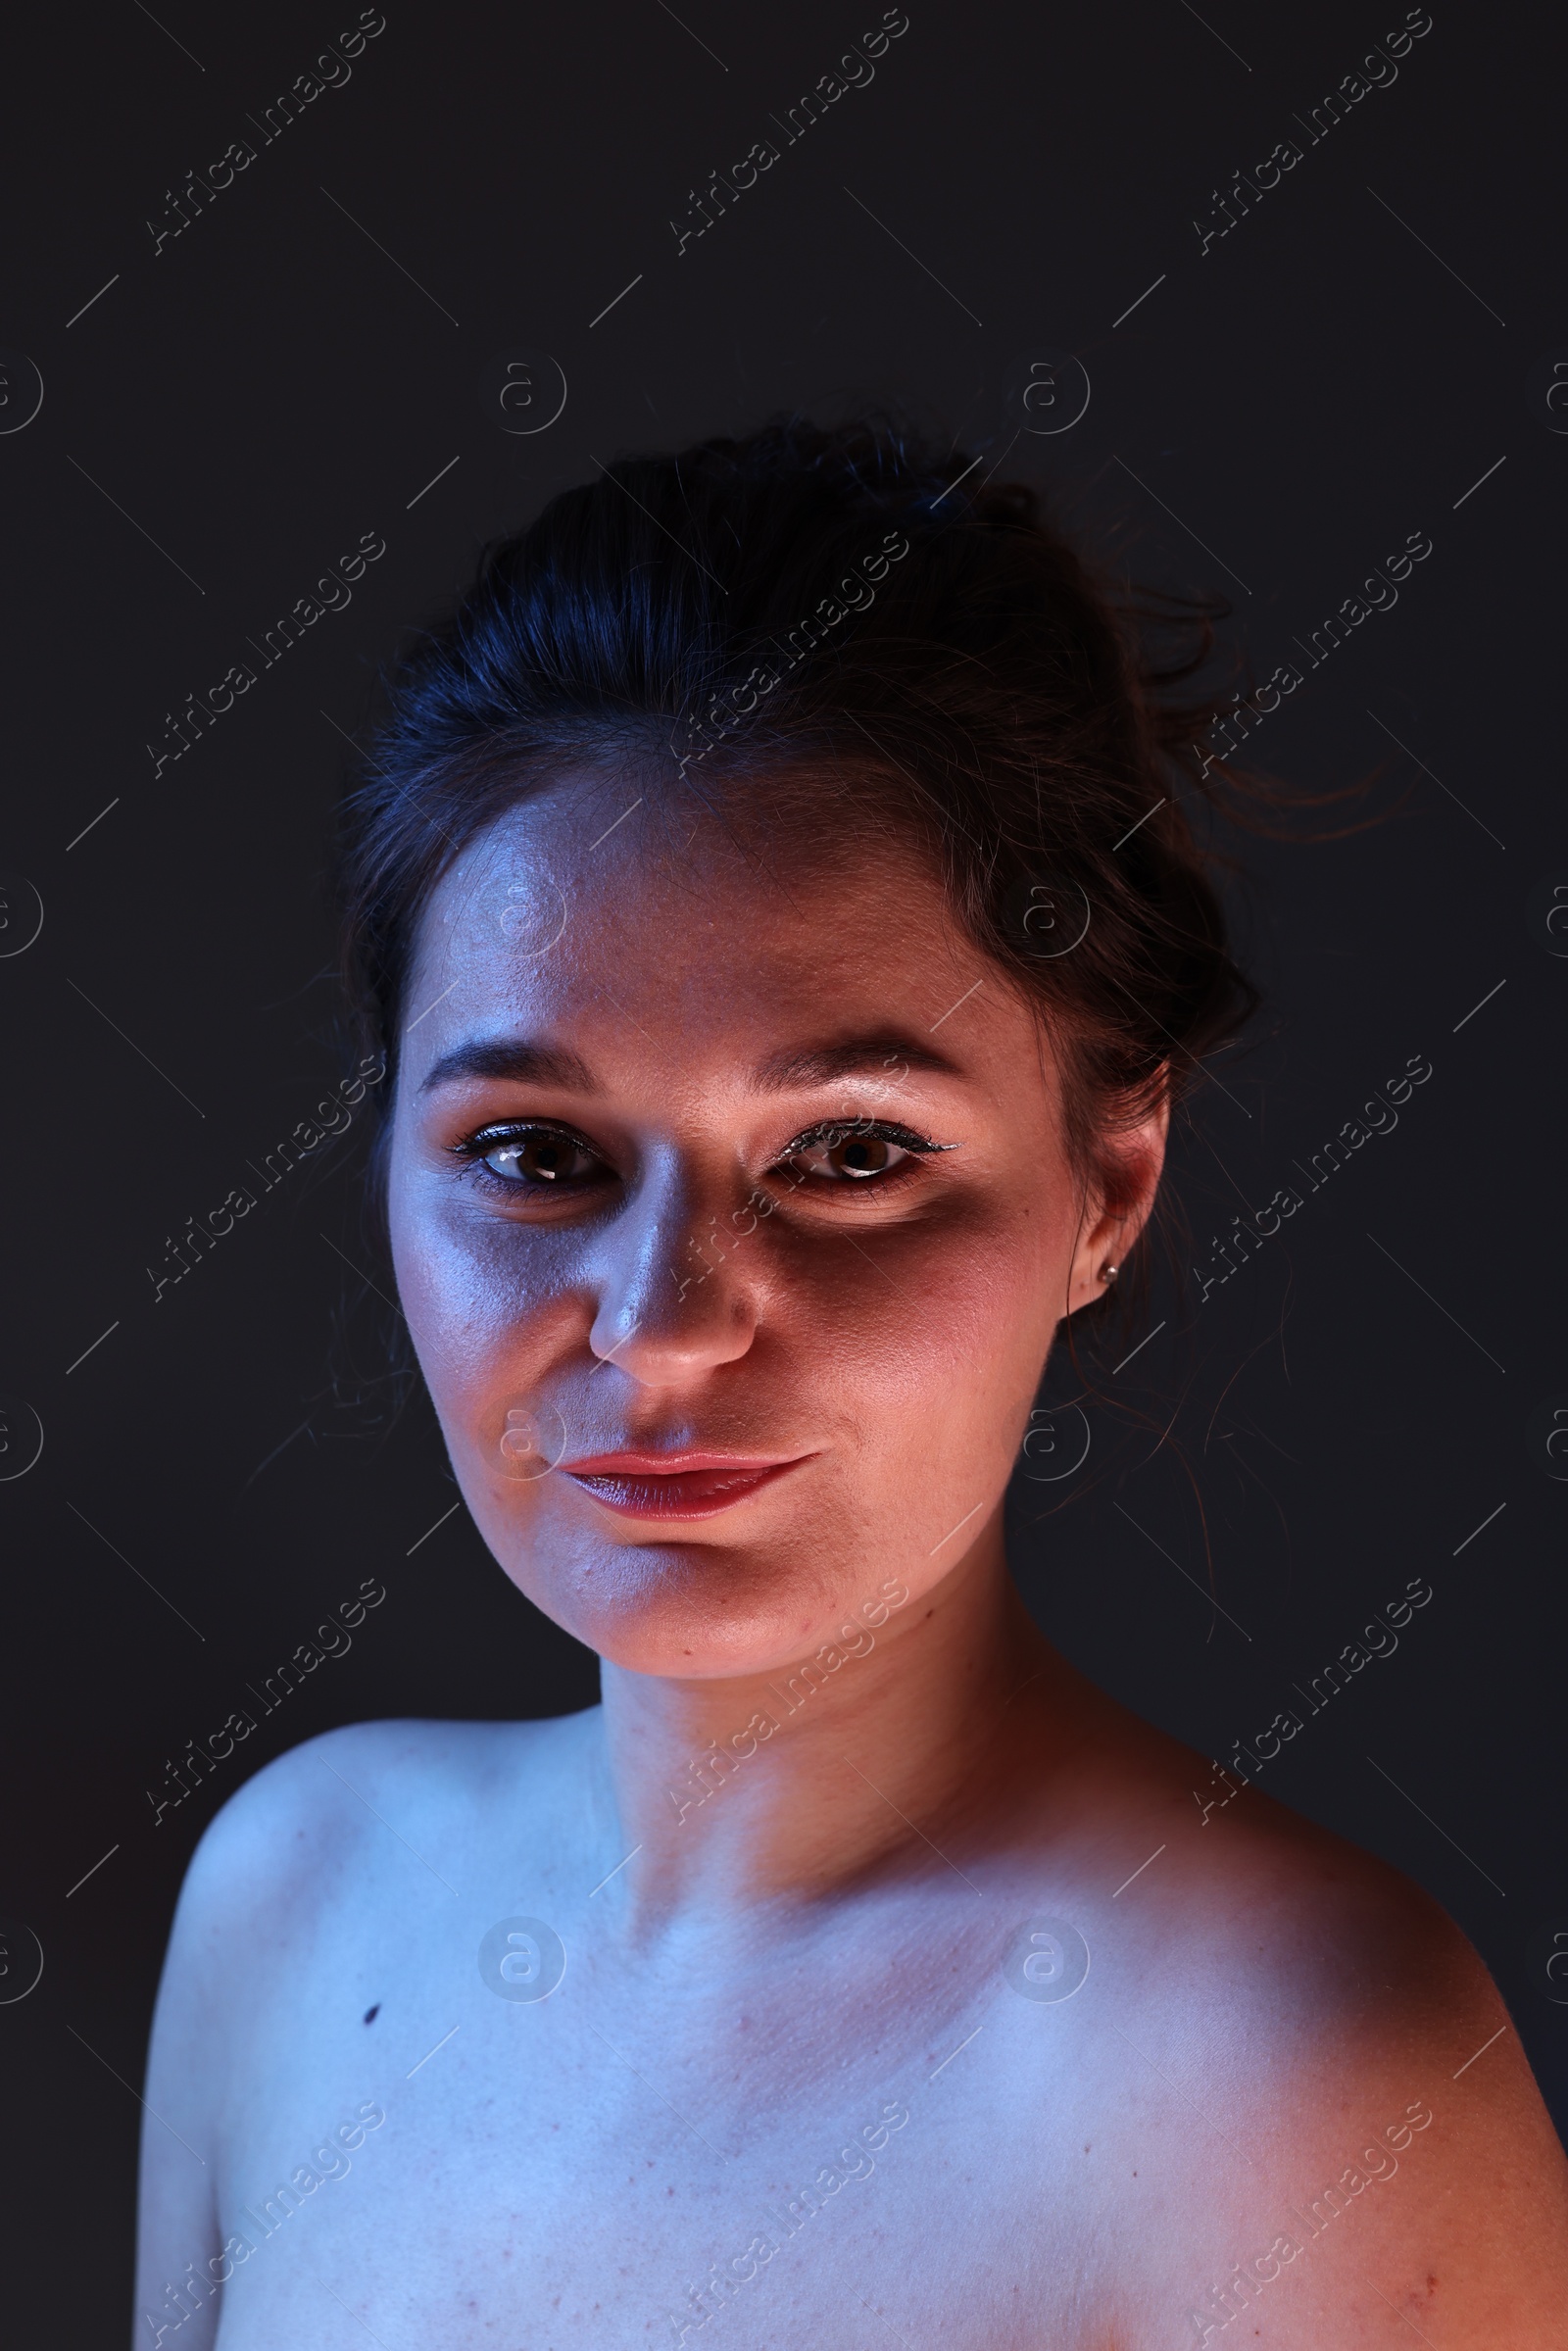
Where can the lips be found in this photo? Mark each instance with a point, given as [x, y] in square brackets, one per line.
[685, 1484]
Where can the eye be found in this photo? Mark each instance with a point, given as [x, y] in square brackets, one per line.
[533, 1158]
[856, 1152]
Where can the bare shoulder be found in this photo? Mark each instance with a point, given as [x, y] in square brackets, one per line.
[308, 1821]
[314, 1867]
[1362, 2147]
[308, 1856]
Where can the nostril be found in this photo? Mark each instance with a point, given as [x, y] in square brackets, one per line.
[610, 1353]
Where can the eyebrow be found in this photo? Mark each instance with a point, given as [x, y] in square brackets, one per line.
[525, 1063]
[857, 1056]
[514, 1057]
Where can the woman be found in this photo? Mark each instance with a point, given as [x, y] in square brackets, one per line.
[773, 897]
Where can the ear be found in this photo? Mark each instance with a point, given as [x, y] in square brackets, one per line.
[1117, 1210]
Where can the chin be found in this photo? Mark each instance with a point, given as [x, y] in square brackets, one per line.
[744, 1589]
[702, 1610]
[673, 1607]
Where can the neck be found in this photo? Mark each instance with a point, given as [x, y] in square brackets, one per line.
[788, 1785]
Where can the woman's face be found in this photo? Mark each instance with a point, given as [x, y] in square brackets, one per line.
[745, 1167]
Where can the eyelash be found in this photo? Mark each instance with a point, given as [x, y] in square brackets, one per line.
[830, 1131]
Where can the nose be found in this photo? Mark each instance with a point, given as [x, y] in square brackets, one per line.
[670, 1300]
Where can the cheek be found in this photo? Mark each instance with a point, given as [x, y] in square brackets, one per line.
[484, 1312]
[487, 1339]
[989, 1277]
[929, 1340]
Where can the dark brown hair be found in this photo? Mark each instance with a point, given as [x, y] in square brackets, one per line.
[814, 625]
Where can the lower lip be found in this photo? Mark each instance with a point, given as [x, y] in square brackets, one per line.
[683, 1494]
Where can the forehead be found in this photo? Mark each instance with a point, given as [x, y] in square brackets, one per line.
[596, 904]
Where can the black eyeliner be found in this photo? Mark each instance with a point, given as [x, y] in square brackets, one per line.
[881, 1130]
[485, 1138]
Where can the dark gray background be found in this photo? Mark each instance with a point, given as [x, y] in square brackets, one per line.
[1272, 420]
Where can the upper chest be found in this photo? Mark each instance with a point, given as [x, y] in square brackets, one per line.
[652, 2161]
